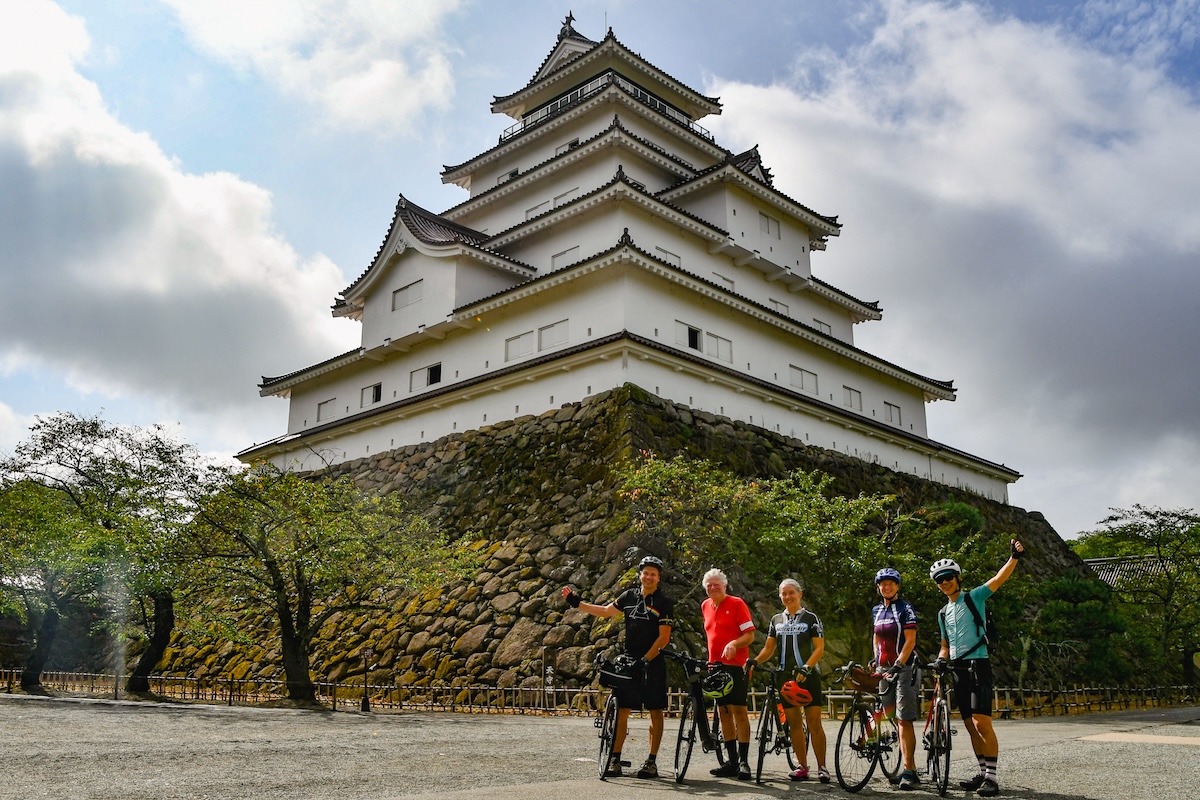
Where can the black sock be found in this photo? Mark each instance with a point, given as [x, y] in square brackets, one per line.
[743, 751]
[650, 759]
[731, 749]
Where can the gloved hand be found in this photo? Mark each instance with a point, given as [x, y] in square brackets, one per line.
[573, 600]
[1018, 549]
[803, 672]
[750, 665]
[939, 664]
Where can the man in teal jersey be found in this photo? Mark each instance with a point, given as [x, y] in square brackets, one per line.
[964, 645]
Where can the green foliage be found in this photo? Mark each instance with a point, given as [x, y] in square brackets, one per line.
[790, 526]
[302, 550]
[1157, 554]
[1076, 636]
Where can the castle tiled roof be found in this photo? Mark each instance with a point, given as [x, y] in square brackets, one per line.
[608, 37]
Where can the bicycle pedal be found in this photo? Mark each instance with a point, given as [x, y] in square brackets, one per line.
[598, 722]
[625, 763]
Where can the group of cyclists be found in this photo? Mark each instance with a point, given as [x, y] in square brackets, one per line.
[794, 645]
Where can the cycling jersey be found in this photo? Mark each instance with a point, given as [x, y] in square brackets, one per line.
[891, 621]
[725, 623]
[643, 616]
[959, 628]
[793, 634]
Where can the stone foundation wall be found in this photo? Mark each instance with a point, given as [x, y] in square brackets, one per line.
[538, 495]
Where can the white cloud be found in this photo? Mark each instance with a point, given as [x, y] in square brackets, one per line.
[127, 275]
[363, 64]
[1025, 208]
[14, 428]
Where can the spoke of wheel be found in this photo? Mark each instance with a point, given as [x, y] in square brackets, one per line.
[686, 739]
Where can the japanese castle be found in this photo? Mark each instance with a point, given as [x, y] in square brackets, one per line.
[608, 239]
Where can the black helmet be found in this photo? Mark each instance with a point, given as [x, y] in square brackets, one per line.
[651, 561]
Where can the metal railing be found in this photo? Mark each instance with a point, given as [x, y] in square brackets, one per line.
[594, 87]
[1008, 702]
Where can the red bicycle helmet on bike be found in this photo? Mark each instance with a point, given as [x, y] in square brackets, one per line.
[795, 694]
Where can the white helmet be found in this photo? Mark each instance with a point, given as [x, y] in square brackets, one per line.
[943, 566]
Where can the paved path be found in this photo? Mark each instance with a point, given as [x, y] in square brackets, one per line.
[104, 750]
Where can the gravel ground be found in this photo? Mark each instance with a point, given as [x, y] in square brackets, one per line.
[92, 749]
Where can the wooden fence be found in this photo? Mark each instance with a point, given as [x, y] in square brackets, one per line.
[1008, 703]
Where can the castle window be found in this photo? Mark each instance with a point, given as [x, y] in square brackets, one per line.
[552, 335]
[508, 176]
[372, 395]
[565, 257]
[852, 398]
[768, 225]
[803, 380]
[891, 413]
[407, 295]
[823, 327]
[562, 148]
[565, 197]
[687, 335]
[326, 409]
[426, 376]
[720, 347]
[782, 308]
[722, 280]
[668, 256]
[518, 346]
[530, 213]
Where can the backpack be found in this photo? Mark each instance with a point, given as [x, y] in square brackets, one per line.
[988, 633]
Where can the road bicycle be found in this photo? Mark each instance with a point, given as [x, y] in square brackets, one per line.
[938, 734]
[868, 737]
[774, 734]
[606, 720]
[698, 720]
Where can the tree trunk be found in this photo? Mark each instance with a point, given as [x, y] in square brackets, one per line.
[160, 638]
[31, 676]
[295, 668]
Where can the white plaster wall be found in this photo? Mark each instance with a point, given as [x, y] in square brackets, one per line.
[437, 276]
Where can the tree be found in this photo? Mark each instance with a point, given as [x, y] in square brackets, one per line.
[54, 563]
[1159, 579]
[301, 550]
[129, 485]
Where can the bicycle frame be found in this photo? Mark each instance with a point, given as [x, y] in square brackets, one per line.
[774, 734]
[937, 737]
[694, 718]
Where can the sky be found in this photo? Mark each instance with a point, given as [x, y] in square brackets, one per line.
[186, 185]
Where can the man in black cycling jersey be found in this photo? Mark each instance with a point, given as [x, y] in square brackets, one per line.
[648, 619]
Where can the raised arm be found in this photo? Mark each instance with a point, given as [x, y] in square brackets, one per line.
[1009, 567]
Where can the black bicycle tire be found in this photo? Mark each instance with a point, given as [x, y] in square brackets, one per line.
[686, 739]
[608, 733]
[766, 733]
[889, 746]
[939, 771]
[852, 734]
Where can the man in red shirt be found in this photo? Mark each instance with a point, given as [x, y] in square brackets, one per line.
[730, 630]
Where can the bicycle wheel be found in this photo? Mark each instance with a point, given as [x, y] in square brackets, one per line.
[854, 757]
[767, 723]
[889, 747]
[939, 748]
[608, 733]
[686, 738]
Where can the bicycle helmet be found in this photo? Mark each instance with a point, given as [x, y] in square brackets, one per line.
[887, 574]
[651, 561]
[716, 684]
[945, 566]
[795, 694]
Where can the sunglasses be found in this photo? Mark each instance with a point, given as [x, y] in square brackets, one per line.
[940, 579]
